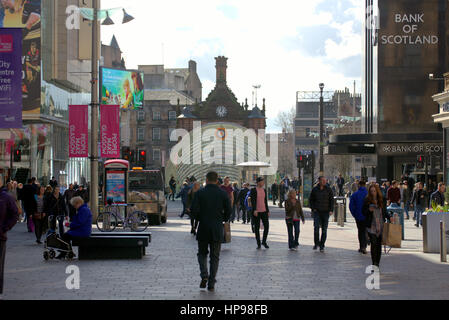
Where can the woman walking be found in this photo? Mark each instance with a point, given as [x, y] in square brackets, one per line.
[193, 222]
[375, 213]
[293, 215]
[39, 217]
[54, 206]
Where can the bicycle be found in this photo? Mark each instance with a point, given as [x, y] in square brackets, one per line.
[109, 220]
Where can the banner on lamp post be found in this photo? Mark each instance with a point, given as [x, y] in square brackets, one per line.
[110, 131]
[10, 78]
[78, 132]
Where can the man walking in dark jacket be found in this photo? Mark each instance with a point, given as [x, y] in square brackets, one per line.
[438, 196]
[420, 201]
[259, 204]
[355, 206]
[241, 199]
[322, 204]
[211, 207]
[340, 184]
[9, 214]
[29, 202]
[274, 193]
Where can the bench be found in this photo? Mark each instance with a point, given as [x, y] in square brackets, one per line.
[124, 234]
[111, 247]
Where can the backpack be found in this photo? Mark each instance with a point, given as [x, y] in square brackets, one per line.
[247, 204]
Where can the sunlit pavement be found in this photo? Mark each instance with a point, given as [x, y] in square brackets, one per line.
[170, 269]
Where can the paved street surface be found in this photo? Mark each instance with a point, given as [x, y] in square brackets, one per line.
[170, 270]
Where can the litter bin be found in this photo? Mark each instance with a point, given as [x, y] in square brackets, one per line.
[394, 208]
[338, 201]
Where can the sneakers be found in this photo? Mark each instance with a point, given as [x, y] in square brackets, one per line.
[259, 247]
[293, 249]
[266, 246]
[203, 283]
[363, 251]
[315, 247]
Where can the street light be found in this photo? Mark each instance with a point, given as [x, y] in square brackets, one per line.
[95, 102]
[321, 130]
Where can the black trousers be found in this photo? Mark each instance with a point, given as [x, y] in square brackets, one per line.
[203, 252]
[194, 223]
[2, 263]
[39, 227]
[376, 248]
[362, 234]
[266, 225]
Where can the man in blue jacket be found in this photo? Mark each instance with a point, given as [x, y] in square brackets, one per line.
[81, 226]
[355, 206]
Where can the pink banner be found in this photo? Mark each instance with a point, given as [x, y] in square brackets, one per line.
[110, 131]
[78, 132]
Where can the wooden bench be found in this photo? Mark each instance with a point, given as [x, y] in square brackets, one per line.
[111, 247]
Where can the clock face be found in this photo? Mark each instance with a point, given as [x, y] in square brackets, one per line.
[222, 111]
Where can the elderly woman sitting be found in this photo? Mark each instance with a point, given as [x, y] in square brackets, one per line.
[81, 226]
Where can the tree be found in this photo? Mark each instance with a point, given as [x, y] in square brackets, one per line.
[286, 120]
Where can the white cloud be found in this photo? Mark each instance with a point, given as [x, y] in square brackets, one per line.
[251, 37]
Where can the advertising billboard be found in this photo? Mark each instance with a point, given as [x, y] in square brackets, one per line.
[122, 87]
[27, 16]
[10, 78]
[115, 186]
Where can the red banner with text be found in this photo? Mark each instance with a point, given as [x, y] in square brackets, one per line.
[78, 132]
[110, 131]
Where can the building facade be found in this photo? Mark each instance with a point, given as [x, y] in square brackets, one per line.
[397, 103]
[220, 116]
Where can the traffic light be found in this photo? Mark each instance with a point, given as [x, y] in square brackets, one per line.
[420, 162]
[126, 154]
[17, 155]
[301, 161]
[142, 158]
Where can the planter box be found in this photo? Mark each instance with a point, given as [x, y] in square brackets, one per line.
[431, 231]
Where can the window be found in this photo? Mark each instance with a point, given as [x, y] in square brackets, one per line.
[172, 115]
[170, 130]
[141, 116]
[156, 133]
[156, 155]
[140, 134]
[156, 115]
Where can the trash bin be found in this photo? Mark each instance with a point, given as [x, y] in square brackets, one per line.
[394, 208]
[337, 201]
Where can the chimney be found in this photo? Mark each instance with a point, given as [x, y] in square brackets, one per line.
[221, 66]
[192, 66]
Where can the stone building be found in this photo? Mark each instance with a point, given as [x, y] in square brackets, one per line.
[223, 114]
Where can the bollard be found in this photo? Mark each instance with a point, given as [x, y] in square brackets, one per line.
[443, 248]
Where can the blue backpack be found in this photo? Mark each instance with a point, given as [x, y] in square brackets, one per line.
[247, 205]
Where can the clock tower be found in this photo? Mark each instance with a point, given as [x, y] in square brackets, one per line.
[222, 106]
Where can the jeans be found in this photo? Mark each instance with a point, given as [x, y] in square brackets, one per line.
[293, 241]
[362, 234]
[407, 208]
[203, 251]
[2, 263]
[235, 212]
[419, 211]
[245, 214]
[266, 225]
[376, 248]
[320, 220]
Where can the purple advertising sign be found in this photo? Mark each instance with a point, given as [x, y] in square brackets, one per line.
[10, 78]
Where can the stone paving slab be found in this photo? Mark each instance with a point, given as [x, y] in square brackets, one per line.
[170, 270]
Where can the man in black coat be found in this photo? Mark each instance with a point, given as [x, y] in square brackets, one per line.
[241, 199]
[322, 204]
[261, 211]
[438, 196]
[29, 201]
[211, 207]
[68, 195]
[83, 193]
[274, 192]
[340, 184]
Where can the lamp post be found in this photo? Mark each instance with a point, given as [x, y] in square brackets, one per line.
[321, 130]
[95, 102]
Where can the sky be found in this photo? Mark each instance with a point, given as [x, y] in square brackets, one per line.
[284, 46]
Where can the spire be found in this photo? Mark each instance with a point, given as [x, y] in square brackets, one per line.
[114, 43]
[221, 66]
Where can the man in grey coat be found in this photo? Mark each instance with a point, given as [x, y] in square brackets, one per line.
[211, 207]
